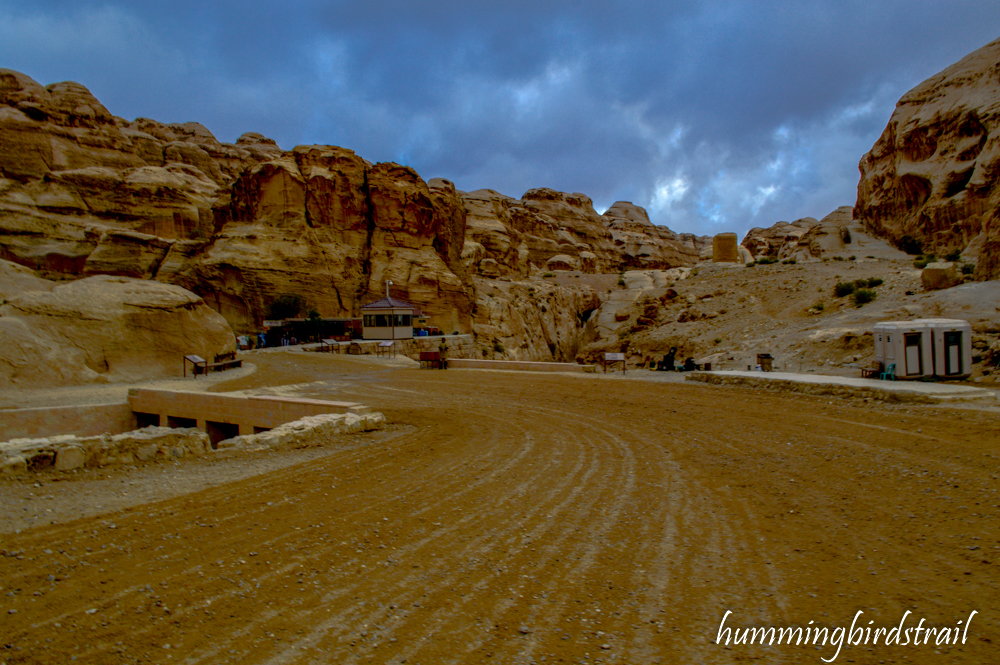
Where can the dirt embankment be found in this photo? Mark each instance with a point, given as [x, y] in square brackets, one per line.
[531, 518]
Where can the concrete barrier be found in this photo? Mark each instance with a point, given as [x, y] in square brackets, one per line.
[521, 365]
[226, 416]
[90, 420]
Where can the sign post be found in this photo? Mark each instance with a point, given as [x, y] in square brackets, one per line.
[613, 358]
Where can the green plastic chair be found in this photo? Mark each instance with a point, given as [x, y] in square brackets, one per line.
[889, 374]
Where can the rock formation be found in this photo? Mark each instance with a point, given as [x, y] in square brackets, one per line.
[560, 231]
[100, 329]
[803, 239]
[931, 182]
[83, 192]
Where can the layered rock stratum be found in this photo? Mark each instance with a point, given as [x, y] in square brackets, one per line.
[83, 192]
[932, 180]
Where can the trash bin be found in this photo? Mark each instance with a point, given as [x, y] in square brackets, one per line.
[764, 360]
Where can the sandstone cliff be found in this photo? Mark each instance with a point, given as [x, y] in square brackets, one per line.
[83, 192]
[100, 329]
[932, 180]
[559, 231]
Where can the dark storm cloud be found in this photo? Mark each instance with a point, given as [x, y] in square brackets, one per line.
[713, 115]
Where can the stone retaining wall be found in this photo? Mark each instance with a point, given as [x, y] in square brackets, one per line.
[523, 365]
[458, 346]
[150, 444]
[893, 392]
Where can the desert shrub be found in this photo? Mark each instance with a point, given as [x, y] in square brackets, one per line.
[844, 289]
[852, 258]
[717, 341]
[497, 346]
[287, 306]
[968, 268]
[869, 257]
[621, 280]
[953, 256]
[751, 264]
[819, 307]
[789, 262]
[872, 282]
[765, 261]
[548, 274]
[863, 296]
[911, 245]
[838, 258]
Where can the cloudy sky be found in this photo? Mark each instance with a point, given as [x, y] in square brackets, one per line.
[714, 115]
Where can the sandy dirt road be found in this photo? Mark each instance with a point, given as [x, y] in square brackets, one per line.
[519, 518]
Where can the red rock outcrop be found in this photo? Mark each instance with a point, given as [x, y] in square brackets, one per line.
[933, 178]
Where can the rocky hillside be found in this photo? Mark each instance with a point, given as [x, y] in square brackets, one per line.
[100, 329]
[83, 192]
[932, 181]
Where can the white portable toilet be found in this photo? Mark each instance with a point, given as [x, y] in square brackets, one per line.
[952, 340]
[907, 345]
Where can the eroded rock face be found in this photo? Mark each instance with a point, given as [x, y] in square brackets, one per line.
[803, 239]
[85, 193]
[532, 320]
[101, 329]
[933, 177]
[562, 231]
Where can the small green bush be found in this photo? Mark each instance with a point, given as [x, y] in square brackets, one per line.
[863, 296]
[953, 256]
[764, 261]
[548, 274]
[844, 289]
[968, 268]
[717, 341]
[789, 262]
[838, 258]
[818, 307]
[751, 264]
[852, 258]
[872, 282]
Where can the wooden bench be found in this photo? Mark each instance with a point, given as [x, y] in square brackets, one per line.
[224, 361]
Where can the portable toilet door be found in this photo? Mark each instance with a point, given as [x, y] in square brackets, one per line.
[952, 348]
[889, 346]
[913, 350]
[879, 348]
[912, 356]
